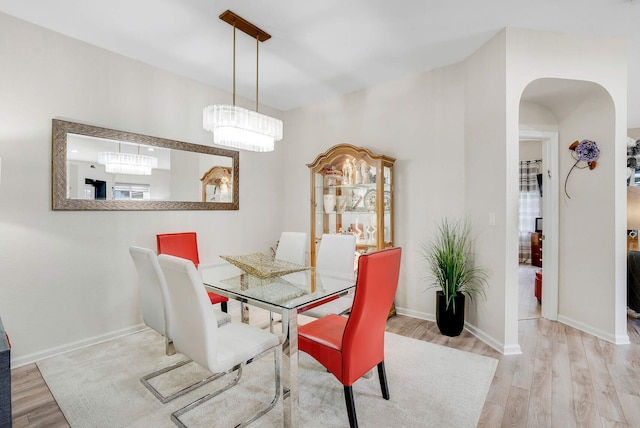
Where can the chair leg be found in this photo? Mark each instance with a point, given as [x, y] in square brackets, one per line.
[169, 348]
[244, 312]
[175, 416]
[382, 375]
[270, 322]
[351, 406]
[278, 394]
[145, 381]
[223, 306]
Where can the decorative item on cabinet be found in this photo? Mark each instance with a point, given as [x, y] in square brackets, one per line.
[329, 203]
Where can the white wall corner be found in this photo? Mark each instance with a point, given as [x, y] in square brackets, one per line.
[504, 349]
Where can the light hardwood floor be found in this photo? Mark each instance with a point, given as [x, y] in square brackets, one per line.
[563, 378]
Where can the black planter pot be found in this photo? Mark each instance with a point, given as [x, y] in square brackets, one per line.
[450, 323]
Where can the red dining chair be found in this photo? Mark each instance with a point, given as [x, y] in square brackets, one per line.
[185, 245]
[350, 347]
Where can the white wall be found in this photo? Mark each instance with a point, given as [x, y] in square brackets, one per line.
[534, 117]
[530, 150]
[67, 278]
[486, 187]
[594, 274]
[417, 120]
[496, 77]
[587, 272]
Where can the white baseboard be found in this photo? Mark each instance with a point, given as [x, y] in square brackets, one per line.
[617, 340]
[491, 341]
[416, 314]
[37, 356]
[480, 334]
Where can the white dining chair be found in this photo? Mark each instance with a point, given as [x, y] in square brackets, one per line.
[156, 313]
[292, 247]
[196, 334]
[336, 256]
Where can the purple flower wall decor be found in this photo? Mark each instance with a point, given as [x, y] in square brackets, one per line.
[586, 151]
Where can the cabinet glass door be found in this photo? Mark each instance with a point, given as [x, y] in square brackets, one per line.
[351, 191]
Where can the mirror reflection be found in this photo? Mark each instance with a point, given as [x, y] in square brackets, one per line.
[99, 168]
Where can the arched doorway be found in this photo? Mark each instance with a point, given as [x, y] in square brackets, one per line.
[576, 275]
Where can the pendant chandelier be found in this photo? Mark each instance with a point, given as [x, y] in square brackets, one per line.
[234, 126]
[127, 163]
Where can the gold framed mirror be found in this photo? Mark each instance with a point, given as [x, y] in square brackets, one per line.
[96, 168]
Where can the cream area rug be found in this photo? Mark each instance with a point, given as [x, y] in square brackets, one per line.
[430, 386]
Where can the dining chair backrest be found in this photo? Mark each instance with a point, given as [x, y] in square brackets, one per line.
[194, 326]
[153, 289]
[337, 254]
[292, 247]
[183, 244]
[363, 338]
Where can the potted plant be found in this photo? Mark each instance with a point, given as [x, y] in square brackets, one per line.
[449, 258]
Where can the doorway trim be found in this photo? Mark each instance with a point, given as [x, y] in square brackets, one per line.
[550, 214]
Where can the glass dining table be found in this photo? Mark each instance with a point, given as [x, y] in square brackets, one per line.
[279, 287]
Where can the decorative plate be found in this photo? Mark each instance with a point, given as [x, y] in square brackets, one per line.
[370, 200]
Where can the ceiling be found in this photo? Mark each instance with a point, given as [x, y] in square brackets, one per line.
[325, 48]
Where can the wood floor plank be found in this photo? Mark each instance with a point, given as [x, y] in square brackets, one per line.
[582, 383]
[523, 375]
[32, 404]
[632, 367]
[501, 384]
[540, 399]
[562, 406]
[20, 422]
[517, 408]
[631, 407]
[606, 397]
[577, 355]
[587, 415]
[541, 382]
[544, 348]
[608, 423]
[491, 416]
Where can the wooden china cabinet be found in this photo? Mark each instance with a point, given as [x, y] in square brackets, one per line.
[352, 192]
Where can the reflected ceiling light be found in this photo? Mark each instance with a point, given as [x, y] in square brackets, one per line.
[234, 126]
[127, 163]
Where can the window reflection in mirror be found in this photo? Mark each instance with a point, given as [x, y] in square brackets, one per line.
[99, 168]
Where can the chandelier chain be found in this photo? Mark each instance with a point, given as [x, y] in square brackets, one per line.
[234, 62]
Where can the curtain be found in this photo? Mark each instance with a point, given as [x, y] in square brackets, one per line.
[529, 206]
